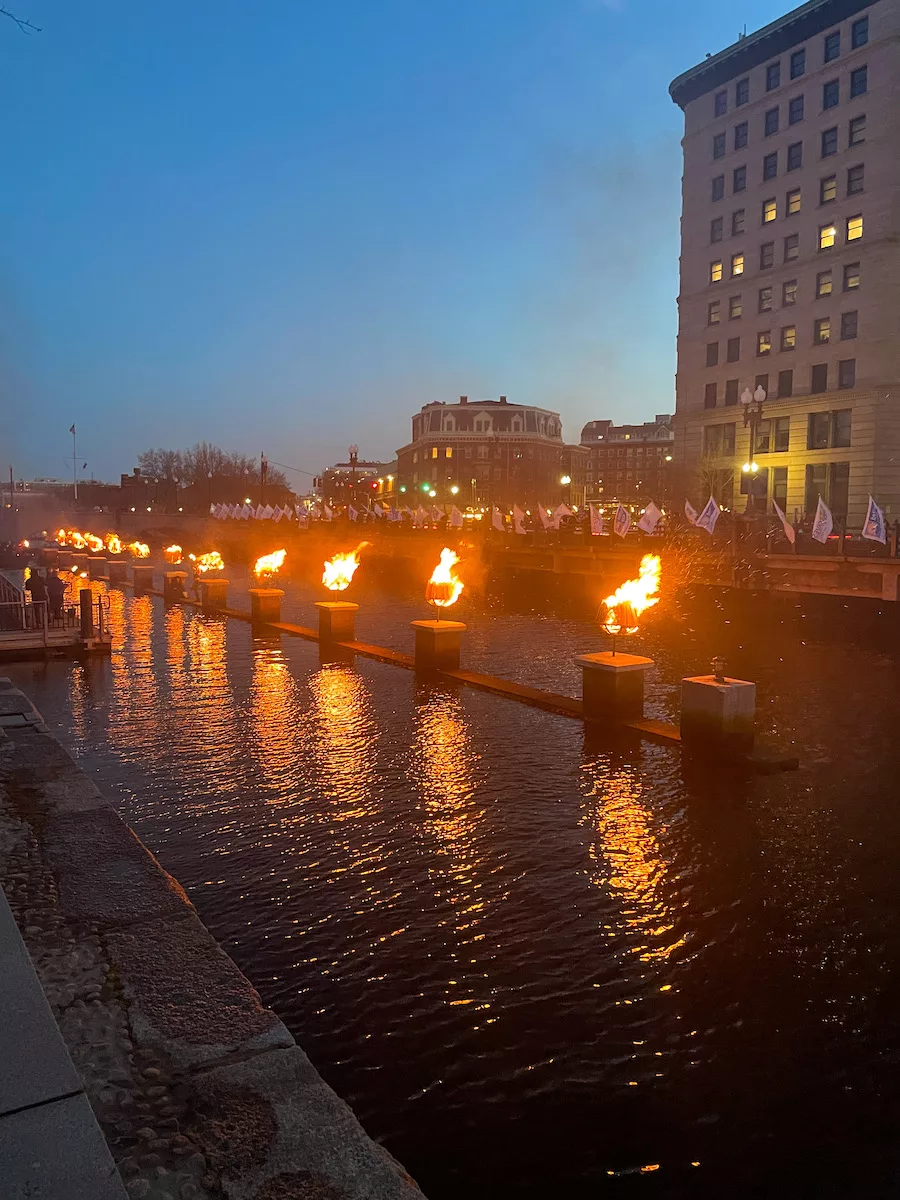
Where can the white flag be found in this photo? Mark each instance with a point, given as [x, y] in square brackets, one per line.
[212, 510]
[622, 523]
[327, 513]
[690, 512]
[456, 518]
[395, 514]
[277, 514]
[288, 512]
[268, 513]
[437, 513]
[546, 519]
[352, 513]
[873, 526]
[596, 521]
[709, 516]
[497, 519]
[379, 511]
[245, 512]
[823, 523]
[421, 517]
[789, 531]
[518, 519]
[650, 519]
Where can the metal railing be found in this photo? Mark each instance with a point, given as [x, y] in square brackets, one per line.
[35, 616]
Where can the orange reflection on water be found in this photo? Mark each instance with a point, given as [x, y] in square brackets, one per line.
[276, 714]
[135, 690]
[627, 856]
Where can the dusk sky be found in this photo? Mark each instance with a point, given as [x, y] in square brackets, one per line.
[285, 226]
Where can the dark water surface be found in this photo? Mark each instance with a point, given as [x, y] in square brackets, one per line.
[536, 963]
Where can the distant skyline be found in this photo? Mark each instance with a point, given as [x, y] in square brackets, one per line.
[287, 226]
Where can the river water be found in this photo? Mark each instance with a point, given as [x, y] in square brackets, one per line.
[537, 962]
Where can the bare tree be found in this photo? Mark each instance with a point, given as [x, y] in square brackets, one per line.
[204, 461]
[715, 478]
[25, 26]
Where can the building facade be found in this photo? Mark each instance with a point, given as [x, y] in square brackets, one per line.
[357, 483]
[628, 464]
[789, 256]
[484, 452]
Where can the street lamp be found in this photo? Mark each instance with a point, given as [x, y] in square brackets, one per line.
[454, 491]
[753, 413]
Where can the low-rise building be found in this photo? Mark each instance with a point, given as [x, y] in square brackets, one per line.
[357, 482]
[628, 464]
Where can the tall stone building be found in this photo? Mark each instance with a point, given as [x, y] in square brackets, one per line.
[789, 262]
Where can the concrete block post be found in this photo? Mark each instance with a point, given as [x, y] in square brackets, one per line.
[173, 585]
[50, 556]
[118, 570]
[437, 645]
[142, 578]
[80, 562]
[213, 593]
[265, 604]
[86, 612]
[717, 714]
[97, 568]
[64, 561]
[337, 620]
[612, 686]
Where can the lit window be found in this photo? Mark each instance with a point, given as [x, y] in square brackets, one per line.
[795, 156]
[769, 210]
[859, 82]
[851, 276]
[848, 325]
[791, 247]
[739, 179]
[770, 122]
[795, 110]
[789, 293]
[770, 165]
[859, 33]
[740, 135]
[448, 453]
[822, 330]
[715, 271]
[721, 103]
[764, 342]
[793, 201]
[854, 228]
[737, 260]
[828, 189]
[855, 180]
[823, 284]
[713, 312]
[719, 145]
[788, 337]
[798, 63]
[718, 187]
[773, 76]
[847, 373]
[857, 130]
[737, 222]
[715, 229]
[434, 451]
[832, 45]
[735, 308]
[829, 142]
[742, 91]
[831, 93]
[827, 235]
[766, 255]
[765, 300]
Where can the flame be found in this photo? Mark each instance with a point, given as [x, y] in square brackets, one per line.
[173, 554]
[114, 543]
[637, 594]
[341, 569]
[93, 543]
[444, 587]
[208, 562]
[270, 564]
[139, 549]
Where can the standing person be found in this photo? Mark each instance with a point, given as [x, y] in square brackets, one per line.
[56, 590]
[38, 589]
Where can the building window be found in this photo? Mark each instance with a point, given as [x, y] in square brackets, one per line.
[740, 135]
[779, 486]
[829, 142]
[434, 451]
[719, 145]
[846, 378]
[795, 156]
[735, 308]
[770, 122]
[739, 179]
[831, 481]
[788, 293]
[773, 76]
[823, 284]
[448, 452]
[718, 187]
[734, 349]
[798, 63]
[831, 93]
[764, 343]
[793, 201]
[848, 325]
[827, 235]
[713, 312]
[821, 428]
[851, 276]
[715, 229]
[709, 395]
[731, 391]
[766, 255]
[737, 260]
[818, 378]
[718, 440]
[828, 189]
[741, 92]
[765, 300]
[788, 337]
[763, 435]
[822, 330]
[854, 228]
[857, 131]
[859, 33]
[737, 222]
[859, 82]
[763, 382]
[791, 247]
[785, 384]
[770, 165]
[712, 354]
[769, 210]
[832, 45]
[721, 103]
[856, 179]
[715, 271]
[795, 110]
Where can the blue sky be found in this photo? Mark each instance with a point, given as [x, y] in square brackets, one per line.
[286, 225]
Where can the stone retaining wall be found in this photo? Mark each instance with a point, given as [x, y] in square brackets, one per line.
[200, 1090]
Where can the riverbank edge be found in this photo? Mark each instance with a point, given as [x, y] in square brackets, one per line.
[200, 1090]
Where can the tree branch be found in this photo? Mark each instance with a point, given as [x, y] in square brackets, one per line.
[25, 26]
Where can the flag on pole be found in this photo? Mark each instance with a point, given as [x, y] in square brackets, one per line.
[277, 514]
[377, 509]
[596, 520]
[650, 519]
[622, 523]
[497, 519]
[823, 523]
[690, 512]
[518, 519]
[421, 517]
[873, 529]
[789, 531]
[352, 513]
[327, 513]
[436, 513]
[287, 512]
[456, 518]
[546, 519]
[709, 516]
[72, 430]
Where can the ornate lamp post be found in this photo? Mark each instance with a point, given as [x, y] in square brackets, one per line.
[753, 413]
[354, 459]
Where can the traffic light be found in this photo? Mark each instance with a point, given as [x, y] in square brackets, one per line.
[426, 487]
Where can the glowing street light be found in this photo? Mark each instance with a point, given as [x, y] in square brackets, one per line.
[565, 480]
[454, 491]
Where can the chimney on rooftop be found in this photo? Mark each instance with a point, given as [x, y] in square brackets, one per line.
[502, 399]
[464, 399]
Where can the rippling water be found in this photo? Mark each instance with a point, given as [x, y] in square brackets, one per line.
[534, 962]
